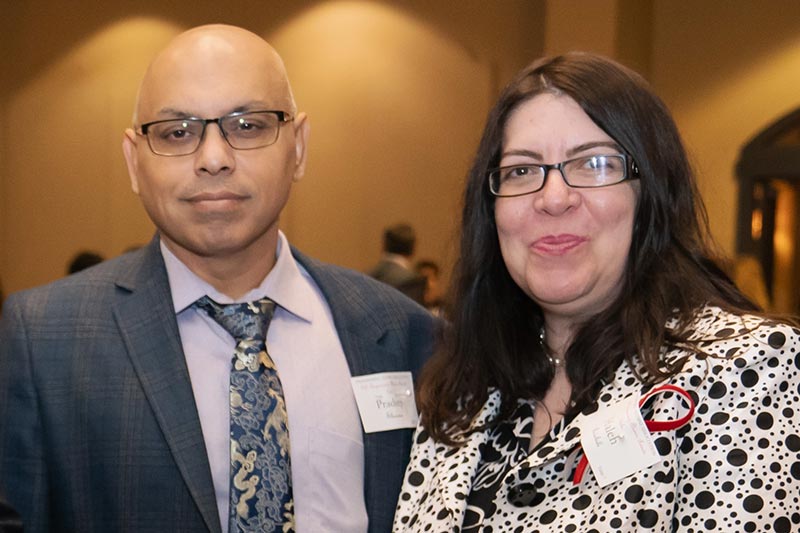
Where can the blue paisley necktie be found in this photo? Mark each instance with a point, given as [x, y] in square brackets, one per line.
[261, 481]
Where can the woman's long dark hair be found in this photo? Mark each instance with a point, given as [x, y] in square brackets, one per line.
[493, 336]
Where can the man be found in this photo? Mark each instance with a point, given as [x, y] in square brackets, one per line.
[394, 268]
[116, 386]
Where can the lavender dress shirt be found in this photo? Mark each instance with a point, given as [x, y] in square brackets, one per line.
[325, 436]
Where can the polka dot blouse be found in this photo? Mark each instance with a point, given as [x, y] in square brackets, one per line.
[735, 467]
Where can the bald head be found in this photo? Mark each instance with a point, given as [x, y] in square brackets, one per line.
[217, 204]
[197, 65]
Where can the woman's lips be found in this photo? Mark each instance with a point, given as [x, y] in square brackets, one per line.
[557, 244]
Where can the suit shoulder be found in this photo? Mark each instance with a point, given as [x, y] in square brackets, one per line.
[80, 291]
[357, 289]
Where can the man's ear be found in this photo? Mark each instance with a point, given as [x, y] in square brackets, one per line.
[129, 150]
[301, 131]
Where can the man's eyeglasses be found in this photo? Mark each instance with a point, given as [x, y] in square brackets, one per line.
[584, 172]
[242, 130]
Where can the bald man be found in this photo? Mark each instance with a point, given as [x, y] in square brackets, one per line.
[116, 390]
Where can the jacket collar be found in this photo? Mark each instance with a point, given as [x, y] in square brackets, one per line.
[457, 467]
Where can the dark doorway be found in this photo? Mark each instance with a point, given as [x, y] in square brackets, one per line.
[768, 225]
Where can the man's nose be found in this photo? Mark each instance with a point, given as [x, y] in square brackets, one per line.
[215, 154]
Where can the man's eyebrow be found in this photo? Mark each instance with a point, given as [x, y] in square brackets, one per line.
[170, 112]
[256, 105]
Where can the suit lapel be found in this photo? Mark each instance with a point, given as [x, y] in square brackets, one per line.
[352, 311]
[146, 319]
[361, 336]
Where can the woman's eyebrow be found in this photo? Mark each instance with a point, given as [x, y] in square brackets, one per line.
[523, 152]
[570, 152]
[588, 146]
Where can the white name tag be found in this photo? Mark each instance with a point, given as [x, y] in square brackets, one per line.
[616, 441]
[385, 401]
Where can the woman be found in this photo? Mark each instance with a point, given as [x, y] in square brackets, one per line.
[584, 286]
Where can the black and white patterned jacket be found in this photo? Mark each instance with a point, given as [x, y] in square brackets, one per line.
[734, 467]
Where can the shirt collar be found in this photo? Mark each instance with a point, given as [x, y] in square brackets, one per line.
[285, 284]
[398, 259]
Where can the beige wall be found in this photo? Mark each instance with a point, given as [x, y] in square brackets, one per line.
[396, 92]
[621, 29]
[726, 70]
[395, 109]
[66, 186]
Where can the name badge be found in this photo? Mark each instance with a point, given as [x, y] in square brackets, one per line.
[617, 442]
[385, 401]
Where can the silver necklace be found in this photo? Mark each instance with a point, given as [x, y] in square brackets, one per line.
[555, 362]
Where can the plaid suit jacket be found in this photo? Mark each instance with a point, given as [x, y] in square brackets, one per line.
[98, 427]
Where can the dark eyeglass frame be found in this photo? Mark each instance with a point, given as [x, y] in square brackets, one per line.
[283, 117]
[630, 172]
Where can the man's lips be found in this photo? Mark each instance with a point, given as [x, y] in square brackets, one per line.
[209, 198]
[557, 244]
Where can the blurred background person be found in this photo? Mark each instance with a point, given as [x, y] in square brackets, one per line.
[9, 519]
[394, 267]
[432, 298]
[83, 260]
[585, 295]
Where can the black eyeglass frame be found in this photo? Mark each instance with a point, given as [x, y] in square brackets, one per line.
[630, 166]
[283, 117]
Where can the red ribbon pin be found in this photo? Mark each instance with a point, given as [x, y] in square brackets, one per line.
[652, 425]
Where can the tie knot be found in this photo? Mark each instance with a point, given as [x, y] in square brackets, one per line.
[243, 321]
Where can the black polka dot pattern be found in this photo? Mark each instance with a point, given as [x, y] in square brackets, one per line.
[734, 467]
